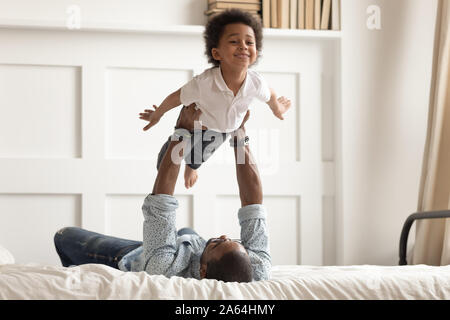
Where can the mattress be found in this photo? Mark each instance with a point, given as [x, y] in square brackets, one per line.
[94, 281]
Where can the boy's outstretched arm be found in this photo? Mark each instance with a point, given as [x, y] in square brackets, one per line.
[278, 105]
[153, 116]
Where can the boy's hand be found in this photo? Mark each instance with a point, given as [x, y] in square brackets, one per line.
[151, 116]
[283, 105]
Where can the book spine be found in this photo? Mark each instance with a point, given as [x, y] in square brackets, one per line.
[335, 15]
[283, 14]
[326, 9]
[266, 13]
[273, 14]
[293, 23]
[317, 13]
[309, 14]
[301, 14]
[238, 1]
[230, 5]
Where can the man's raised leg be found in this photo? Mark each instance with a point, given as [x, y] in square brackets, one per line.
[76, 246]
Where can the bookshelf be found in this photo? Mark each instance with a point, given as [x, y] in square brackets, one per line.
[323, 15]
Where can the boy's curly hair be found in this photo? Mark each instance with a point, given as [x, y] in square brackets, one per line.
[215, 27]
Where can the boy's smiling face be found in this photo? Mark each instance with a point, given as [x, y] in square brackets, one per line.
[236, 47]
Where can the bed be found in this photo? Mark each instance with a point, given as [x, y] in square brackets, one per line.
[93, 281]
[287, 282]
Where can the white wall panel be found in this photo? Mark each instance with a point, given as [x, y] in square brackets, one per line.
[329, 231]
[124, 217]
[269, 133]
[284, 220]
[128, 92]
[40, 107]
[29, 222]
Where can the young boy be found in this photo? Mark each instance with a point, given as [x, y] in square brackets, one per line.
[224, 92]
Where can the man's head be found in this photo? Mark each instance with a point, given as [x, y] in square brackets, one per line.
[225, 259]
[238, 24]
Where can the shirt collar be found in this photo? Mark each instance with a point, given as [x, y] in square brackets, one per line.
[221, 82]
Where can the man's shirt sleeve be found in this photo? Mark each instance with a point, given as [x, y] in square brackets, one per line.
[160, 235]
[254, 237]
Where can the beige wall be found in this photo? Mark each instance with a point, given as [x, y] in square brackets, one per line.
[385, 90]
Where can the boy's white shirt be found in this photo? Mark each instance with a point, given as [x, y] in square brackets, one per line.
[221, 110]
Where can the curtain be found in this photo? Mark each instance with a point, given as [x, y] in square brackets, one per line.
[432, 244]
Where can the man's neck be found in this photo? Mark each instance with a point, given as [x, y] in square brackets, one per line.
[234, 78]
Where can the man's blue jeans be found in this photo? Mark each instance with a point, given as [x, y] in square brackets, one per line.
[77, 246]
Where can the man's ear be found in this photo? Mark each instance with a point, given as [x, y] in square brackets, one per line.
[215, 53]
[203, 271]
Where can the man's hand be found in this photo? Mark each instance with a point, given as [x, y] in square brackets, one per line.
[246, 117]
[239, 133]
[152, 116]
[188, 115]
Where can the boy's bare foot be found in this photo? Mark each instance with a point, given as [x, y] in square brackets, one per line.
[190, 177]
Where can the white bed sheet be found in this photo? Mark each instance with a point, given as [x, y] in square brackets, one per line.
[93, 281]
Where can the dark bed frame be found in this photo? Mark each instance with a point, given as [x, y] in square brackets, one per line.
[407, 225]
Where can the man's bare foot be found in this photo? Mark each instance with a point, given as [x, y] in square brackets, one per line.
[190, 177]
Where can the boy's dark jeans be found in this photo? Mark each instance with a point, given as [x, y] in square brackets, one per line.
[77, 246]
[200, 151]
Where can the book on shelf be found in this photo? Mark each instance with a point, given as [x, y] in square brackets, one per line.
[238, 1]
[213, 12]
[326, 11]
[335, 15]
[283, 14]
[293, 14]
[309, 14]
[266, 13]
[301, 14]
[317, 11]
[273, 13]
[237, 5]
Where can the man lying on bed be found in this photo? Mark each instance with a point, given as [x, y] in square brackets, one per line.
[184, 253]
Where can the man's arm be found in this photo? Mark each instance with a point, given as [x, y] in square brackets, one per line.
[170, 165]
[168, 171]
[159, 208]
[252, 215]
[250, 187]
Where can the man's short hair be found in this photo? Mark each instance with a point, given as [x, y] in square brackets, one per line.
[215, 27]
[233, 266]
